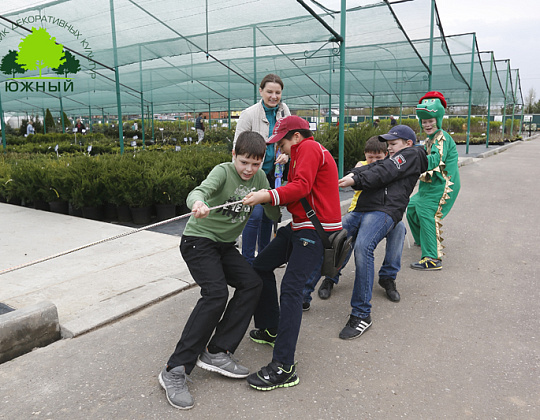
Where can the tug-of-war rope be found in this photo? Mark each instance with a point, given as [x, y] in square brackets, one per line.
[112, 238]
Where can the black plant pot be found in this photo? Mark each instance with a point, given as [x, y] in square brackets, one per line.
[41, 205]
[94, 212]
[165, 211]
[110, 212]
[75, 211]
[61, 207]
[15, 201]
[141, 215]
[124, 214]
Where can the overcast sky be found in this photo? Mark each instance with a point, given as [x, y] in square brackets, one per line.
[510, 28]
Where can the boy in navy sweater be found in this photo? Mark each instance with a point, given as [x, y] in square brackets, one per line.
[386, 186]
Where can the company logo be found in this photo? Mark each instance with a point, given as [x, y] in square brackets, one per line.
[40, 59]
[37, 51]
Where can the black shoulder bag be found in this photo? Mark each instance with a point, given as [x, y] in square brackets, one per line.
[336, 245]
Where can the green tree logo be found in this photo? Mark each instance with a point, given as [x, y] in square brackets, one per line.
[71, 65]
[39, 50]
[9, 64]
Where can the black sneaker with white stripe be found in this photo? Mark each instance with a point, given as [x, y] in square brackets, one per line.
[355, 327]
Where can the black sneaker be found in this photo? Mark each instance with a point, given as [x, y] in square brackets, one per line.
[390, 286]
[427, 264]
[325, 290]
[355, 327]
[263, 337]
[306, 306]
[273, 376]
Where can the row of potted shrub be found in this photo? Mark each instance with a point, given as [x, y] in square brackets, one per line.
[137, 181]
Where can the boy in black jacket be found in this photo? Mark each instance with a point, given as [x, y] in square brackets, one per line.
[386, 186]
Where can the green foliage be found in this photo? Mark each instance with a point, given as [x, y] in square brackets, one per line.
[50, 126]
[411, 122]
[219, 135]
[87, 187]
[58, 180]
[136, 180]
[495, 127]
[28, 180]
[6, 192]
[354, 141]
[67, 121]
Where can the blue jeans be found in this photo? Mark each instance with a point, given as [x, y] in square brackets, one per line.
[302, 249]
[392, 258]
[257, 227]
[371, 227]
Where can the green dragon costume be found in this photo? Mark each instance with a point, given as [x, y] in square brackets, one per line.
[439, 185]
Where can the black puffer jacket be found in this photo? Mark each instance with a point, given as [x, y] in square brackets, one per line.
[387, 184]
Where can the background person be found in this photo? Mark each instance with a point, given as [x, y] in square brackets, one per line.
[80, 126]
[262, 118]
[199, 126]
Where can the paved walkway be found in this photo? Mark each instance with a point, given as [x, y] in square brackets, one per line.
[462, 343]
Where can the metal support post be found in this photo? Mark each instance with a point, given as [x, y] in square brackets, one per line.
[431, 32]
[117, 80]
[470, 93]
[489, 100]
[341, 145]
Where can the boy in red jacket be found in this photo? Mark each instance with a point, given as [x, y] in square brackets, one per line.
[312, 174]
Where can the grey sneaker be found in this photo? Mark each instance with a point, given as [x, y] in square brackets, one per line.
[223, 363]
[174, 384]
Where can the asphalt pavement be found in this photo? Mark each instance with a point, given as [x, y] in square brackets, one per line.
[462, 343]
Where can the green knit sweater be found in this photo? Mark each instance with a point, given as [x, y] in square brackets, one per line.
[223, 185]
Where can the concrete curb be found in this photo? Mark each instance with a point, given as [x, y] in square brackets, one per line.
[499, 149]
[465, 161]
[124, 304]
[24, 329]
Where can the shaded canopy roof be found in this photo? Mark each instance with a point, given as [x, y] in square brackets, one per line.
[192, 56]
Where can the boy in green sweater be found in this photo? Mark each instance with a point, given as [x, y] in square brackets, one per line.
[208, 248]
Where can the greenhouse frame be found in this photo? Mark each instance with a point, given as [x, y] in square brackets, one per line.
[144, 57]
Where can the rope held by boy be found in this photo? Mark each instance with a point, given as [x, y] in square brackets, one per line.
[18, 267]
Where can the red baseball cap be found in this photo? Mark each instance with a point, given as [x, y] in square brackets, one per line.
[284, 125]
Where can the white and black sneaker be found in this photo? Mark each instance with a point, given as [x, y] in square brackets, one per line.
[355, 327]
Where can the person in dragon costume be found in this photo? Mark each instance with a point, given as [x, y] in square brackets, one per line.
[439, 185]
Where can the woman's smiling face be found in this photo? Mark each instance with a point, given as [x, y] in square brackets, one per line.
[271, 94]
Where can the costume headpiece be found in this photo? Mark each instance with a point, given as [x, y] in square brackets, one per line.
[431, 105]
